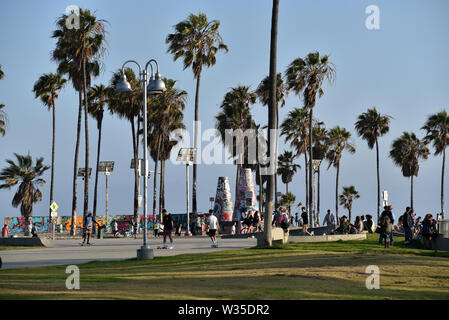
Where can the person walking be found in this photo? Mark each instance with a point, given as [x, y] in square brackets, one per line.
[5, 231]
[115, 228]
[88, 223]
[168, 223]
[212, 222]
[329, 220]
[256, 221]
[305, 221]
[407, 223]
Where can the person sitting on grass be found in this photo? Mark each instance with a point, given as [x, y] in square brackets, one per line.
[429, 231]
[358, 225]
[369, 224]
[344, 227]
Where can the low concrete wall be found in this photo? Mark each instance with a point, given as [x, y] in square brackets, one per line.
[25, 242]
[277, 235]
[336, 237]
[442, 243]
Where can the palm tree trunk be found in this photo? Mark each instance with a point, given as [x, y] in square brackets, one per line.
[96, 174]
[237, 178]
[162, 187]
[336, 193]
[442, 182]
[310, 167]
[378, 181]
[318, 198]
[197, 101]
[411, 191]
[276, 176]
[86, 134]
[136, 169]
[53, 154]
[272, 106]
[155, 176]
[349, 212]
[75, 166]
[307, 181]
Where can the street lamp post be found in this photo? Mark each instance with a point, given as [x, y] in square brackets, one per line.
[154, 86]
[107, 167]
[187, 155]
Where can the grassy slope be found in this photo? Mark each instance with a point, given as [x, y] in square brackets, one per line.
[297, 271]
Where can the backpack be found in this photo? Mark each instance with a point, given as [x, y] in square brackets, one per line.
[385, 224]
[284, 221]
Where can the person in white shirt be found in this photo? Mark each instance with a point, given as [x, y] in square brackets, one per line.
[213, 227]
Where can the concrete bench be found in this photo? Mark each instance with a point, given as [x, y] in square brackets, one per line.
[278, 236]
[25, 242]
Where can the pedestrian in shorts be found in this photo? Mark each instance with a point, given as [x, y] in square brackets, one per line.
[168, 223]
[213, 227]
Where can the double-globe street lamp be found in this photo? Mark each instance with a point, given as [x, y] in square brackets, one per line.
[153, 86]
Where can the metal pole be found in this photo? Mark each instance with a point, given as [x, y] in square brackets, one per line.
[145, 157]
[187, 197]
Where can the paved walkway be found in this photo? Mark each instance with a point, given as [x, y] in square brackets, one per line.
[70, 252]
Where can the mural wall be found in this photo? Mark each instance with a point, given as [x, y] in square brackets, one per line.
[223, 207]
[246, 194]
[64, 223]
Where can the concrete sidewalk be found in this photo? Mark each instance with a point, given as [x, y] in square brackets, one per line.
[70, 252]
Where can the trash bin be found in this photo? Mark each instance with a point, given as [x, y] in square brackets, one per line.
[100, 232]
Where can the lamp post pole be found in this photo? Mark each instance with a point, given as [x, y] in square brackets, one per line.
[155, 85]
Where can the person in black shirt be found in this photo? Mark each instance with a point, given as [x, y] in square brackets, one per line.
[168, 223]
[387, 212]
[305, 221]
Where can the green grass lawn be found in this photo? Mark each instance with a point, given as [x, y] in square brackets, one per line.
[333, 270]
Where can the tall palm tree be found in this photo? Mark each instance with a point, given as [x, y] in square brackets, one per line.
[320, 147]
[197, 41]
[78, 52]
[98, 97]
[272, 124]
[294, 128]
[339, 141]
[3, 117]
[128, 105]
[263, 94]
[348, 195]
[437, 132]
[235, 114]
[306, 76]
[26, 173]
[406, 151]
[371, 125]
[47, 88]
[286, 168]
[165, 115]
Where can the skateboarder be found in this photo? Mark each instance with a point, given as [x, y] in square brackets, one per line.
[88, 223]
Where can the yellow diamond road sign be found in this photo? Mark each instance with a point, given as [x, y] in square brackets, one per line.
[54, 206]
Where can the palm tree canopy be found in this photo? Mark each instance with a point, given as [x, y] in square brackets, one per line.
[437, 131]
[235, 114]
[165, 115]
[28, 174]
[371, 125]
[294, 128]
[288, 199]
[197, 41]
[3, 120]
[286, 167]
[47, 88]
[263, 91]
[339, 141]
[406, 151]
[125, 104]
[307, 76]
[98, 97]
[77, 45]
[348, 195]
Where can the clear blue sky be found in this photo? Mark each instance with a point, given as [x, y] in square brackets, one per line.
[401, 69]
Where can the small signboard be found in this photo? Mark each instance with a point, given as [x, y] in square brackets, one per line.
[54, 206]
